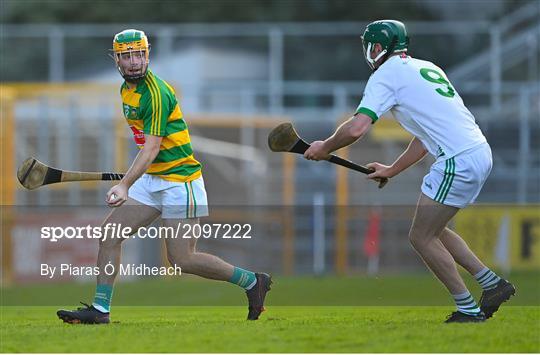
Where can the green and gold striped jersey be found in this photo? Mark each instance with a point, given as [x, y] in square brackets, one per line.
[152, 108]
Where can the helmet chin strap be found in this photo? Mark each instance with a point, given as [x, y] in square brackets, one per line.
[370, 61]
[134, 78]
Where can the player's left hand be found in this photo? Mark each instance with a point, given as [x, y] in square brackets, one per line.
[381, 171]
[117, 195]
[317, 151]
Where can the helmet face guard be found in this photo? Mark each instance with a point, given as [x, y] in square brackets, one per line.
[390, 34]
[367, 54]
[131, 44]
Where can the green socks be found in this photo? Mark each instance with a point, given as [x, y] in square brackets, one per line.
[243, 278]
[102, 299]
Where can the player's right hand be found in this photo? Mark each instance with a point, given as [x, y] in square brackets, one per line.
[316, 151]
[117, 195]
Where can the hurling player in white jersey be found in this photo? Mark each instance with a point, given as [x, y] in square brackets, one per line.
[422, 99]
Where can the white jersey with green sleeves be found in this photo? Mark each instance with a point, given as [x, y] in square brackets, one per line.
[422, 99]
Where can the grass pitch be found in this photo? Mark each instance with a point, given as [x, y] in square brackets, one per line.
[281, 329]
[353, 314]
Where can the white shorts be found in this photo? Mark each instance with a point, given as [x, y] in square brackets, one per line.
[457, 181]
[173, 199]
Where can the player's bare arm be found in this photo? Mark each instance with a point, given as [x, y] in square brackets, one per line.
[346, 134]
[142, 162]
[413, 154]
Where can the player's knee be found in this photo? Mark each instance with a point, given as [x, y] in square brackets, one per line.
[416, 239]
[421, 240]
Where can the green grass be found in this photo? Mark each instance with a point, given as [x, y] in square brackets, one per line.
[305, 314]
[281, 329]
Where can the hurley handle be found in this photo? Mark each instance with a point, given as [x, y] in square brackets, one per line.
[349, 164]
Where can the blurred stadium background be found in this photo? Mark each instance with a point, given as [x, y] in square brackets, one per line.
[239, 69]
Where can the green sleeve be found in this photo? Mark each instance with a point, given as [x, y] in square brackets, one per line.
[366, 111]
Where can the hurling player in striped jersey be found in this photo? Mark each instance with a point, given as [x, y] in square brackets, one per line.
[165, 180]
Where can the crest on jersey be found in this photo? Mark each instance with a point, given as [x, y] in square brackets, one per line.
[130, 112]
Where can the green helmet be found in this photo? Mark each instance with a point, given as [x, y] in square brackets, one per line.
[390, 34]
